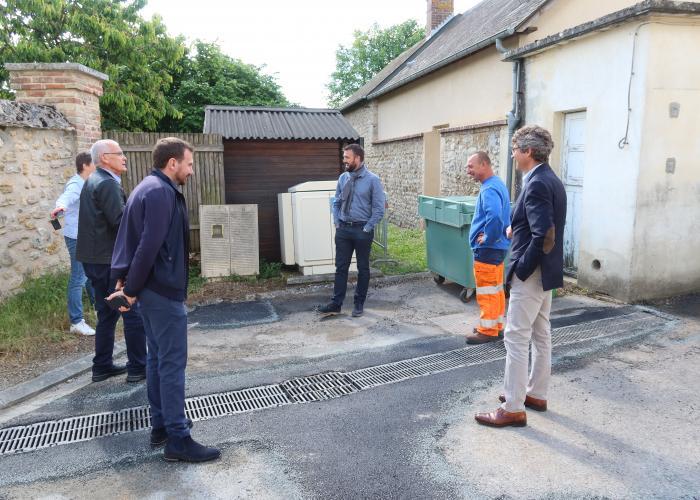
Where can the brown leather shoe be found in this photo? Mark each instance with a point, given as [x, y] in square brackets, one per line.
[480, 338]
[502, 418]
[530, 402]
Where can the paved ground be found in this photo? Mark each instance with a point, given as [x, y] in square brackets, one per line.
[622, 421]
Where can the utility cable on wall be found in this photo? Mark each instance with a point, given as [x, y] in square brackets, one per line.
[624, 141]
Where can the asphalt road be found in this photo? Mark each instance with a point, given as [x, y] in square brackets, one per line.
[608, 432]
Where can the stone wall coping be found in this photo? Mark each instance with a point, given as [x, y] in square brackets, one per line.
[398, 139]
[497, 123]
[56, 67]
[22, 114]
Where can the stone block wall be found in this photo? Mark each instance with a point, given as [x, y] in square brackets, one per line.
[34, 166]
[456, 145]
[399, 164]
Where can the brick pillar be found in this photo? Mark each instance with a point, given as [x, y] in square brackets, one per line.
[73, 89]
[438, 12]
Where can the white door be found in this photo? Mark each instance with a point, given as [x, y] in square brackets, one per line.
[573, 154]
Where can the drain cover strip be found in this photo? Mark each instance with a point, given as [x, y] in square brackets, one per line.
[299, 390]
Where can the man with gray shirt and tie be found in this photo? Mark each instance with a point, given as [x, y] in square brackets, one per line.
[357, 208]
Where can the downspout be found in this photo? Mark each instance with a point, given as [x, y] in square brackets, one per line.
[514, 116]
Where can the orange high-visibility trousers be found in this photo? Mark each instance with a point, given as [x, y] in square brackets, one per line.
[490, 297]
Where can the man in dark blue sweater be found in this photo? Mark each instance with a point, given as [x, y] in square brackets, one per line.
[150, 264]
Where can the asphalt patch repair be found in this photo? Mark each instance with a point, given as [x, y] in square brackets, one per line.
[312, 388]
[232, 315]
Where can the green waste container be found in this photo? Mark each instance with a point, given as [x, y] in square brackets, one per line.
[447, 223]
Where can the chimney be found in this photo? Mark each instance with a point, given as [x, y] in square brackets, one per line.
[72, 88]
[438, 12]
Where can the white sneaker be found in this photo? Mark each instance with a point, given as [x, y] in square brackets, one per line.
[82, 328]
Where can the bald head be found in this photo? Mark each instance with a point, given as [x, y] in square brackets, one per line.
[479, 166]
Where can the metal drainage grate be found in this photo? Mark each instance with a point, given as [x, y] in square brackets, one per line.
[73, 430]
[233, 315]
[87, 427]
[468, 356]
[318, 387]
[305, 389]
[230, 403]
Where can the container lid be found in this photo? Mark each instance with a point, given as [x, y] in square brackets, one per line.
[466, 204]
[313, 186]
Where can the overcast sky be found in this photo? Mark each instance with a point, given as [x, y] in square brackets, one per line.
[295, 40]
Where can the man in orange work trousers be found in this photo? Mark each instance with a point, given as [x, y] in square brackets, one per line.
[489, 243]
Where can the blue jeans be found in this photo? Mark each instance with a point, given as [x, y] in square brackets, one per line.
[165, 322]
[107, 318]
[77, 281]
[347, 240]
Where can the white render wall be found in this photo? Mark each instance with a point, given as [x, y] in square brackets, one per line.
[592, 74]
[667, 228]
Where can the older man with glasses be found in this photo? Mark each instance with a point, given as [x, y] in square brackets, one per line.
[102, 203]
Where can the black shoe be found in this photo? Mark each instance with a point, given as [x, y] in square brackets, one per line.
[330, 309]
[358, 310]
[188, 450]
[111, 372]
[159, 436]
[133, 378]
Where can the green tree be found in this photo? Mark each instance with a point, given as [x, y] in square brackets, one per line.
[108, 35]
[369, 53]
[211, 77]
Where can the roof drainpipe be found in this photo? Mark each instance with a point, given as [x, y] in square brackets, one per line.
[515, 114]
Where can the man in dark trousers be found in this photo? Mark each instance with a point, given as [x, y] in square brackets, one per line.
[150, 264]
[101, 206]
[358, 206]
[536, 267]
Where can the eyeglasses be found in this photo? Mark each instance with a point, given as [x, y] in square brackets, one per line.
[120, 153]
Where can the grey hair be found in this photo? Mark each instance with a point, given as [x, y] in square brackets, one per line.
[98, 148]
[536, 139]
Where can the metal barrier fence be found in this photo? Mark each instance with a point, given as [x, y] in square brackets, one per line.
[381, 239]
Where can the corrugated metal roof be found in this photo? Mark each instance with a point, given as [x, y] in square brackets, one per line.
[461, 36]
[250, 122]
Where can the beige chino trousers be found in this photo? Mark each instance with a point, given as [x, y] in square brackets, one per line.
[527, 320]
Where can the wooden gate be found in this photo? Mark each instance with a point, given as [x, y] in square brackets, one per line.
[205, 187]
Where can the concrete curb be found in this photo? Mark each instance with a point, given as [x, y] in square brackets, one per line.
[25, 390]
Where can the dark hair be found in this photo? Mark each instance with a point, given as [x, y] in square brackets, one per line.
[536, 139]
[167, 148]
[483, 157]
[356, 149]
[81, 160]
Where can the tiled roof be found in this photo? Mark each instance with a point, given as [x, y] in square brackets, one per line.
[461, 36]
[251, 123]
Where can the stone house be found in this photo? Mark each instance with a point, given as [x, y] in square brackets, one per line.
[564, 65]
[56, 114]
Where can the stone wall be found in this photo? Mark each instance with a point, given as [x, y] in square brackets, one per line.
[456, 145]
[34, 166]
[399, 164]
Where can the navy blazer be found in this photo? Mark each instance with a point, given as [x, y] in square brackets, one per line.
[538, 229]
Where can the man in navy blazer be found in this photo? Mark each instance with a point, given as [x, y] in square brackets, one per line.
[536, 267]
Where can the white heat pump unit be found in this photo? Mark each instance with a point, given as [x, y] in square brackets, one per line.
[307, 233]
[228, 236]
